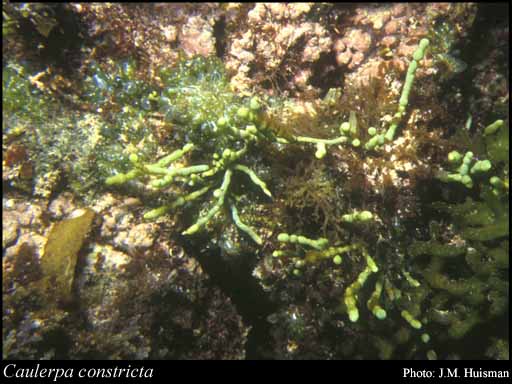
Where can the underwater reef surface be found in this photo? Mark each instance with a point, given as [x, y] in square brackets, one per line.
[248, 181]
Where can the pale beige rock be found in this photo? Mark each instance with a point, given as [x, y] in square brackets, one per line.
[10, 228]
[61, 206]
[140, 236]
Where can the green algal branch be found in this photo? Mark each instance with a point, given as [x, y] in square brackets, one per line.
[221, 162]
[357, 217]
[369, 261]
[153, 169]
[352, 122]
[409, 80]
[122, 178]
[350, 298]
[305, 139]
[416, 324]
[499, 185]
[466, 168]
[378, 139]
[220, 194]
[158, 168]
[373, 302]
[172, 157]
[321, 251]
[254, 178]
[321, 144]
[174, 172]
[186, 171]
[349, 129]
[493, 128]
[375, 141]
[182, 200]
[333, 253]
[319, 244]
[481, 166]
[282, 253]
[411, 280]
[351, 294]
[249, 133]
[244, 227]
[392, 292]
[210, 113]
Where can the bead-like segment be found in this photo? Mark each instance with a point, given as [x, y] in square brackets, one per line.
[321, 151]
[351, 292]
[454, 157]
[319, 244]
[243, 112]
[411, 280]
[255, 104]
[416, 324]
[353, 123]
[357, 217]
[375, 141]
[492, 128]
[373, 302]
[345, 128]
[420, 51]
[481, 166]
[122, 178]
[330, 253]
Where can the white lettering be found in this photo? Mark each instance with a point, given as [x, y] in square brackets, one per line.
[7, 367]
[409, 372]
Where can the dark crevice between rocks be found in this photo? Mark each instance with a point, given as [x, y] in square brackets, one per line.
[237, 282]
[171, 335]
[62, 47]
[58, 342]
[219, 32]
[477, 47]
[327, 74]
[489, 17]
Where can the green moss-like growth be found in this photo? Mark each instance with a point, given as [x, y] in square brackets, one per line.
[80, 145]
[19, 97]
